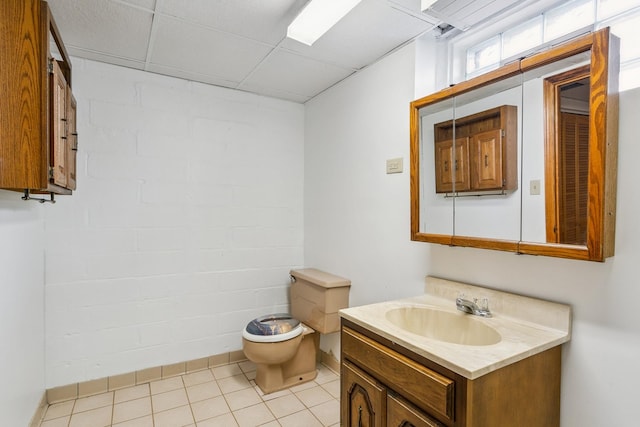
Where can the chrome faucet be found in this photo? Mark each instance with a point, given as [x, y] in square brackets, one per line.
[472, 307]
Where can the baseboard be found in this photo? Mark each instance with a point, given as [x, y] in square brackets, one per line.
[115, 382]
[40, 410]
[330, 361]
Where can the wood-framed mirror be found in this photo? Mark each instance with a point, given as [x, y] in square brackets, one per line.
[563, 201]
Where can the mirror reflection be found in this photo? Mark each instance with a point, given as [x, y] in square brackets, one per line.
[517, 159]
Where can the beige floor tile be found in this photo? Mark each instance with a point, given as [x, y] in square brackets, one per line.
[253, 415]
[285, 405]
[251, 375]
[58, 410]
[203, 391]
[131, 409]
[303, 386]
[333, 388]
[210, 408]
[247, 366]
[131, 393]
[100, 417]
[226, 371]
[169, 400]
[93, 402]
[169, 384]
[273, 395]
[242, 398]
[197, 378]
[313, 396]
[328, 413]
[303, 418]
[226, 420]
[325, 375]
[57, 422]
[234, 383]
[271, 424]
[138, 422]
[176, 417]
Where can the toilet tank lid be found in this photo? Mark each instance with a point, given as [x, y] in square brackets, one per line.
[320, 278]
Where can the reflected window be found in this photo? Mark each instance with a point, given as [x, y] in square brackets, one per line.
[522, 38]
[483, 56]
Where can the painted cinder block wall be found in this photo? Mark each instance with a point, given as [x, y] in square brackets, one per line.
[185, 224]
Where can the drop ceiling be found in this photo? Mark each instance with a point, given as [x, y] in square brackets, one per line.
[242, 44]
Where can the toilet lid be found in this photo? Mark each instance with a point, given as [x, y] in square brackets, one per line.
[272, 328]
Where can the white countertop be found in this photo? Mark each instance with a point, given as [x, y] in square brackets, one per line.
[527, 326]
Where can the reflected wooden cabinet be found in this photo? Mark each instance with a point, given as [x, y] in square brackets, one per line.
[484, 156]
[38, 137]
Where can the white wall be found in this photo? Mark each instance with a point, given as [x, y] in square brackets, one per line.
[186, 221]
[21, 308]
[357, 216]
[357, 225]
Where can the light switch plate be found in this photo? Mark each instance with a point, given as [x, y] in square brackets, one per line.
[534, 187]
[394, 165]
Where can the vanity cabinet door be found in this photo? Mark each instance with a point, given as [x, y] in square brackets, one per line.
[401, 413]
[364, 401]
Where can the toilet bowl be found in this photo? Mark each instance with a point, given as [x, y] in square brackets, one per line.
[282, 359]
[284, 348]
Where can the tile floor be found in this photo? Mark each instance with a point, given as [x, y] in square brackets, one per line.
[222, 396]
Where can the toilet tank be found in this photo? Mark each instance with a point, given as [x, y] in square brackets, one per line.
[316, 297]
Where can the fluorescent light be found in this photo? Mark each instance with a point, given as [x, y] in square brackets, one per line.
[426, 4]
[317, 17]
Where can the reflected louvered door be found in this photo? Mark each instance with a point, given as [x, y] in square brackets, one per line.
[573, 174]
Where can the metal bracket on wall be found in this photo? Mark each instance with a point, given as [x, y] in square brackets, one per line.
[27, 196]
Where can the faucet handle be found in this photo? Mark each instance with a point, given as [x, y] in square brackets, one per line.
[484, 304]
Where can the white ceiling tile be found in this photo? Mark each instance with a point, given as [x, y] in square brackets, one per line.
[100, 57]
[368, 32]
[146, 4]
[103, 26]
[204, 51]
[263, 20]
[190, 75]
[288, 72]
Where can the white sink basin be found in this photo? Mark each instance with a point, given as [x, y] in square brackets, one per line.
[456, 328]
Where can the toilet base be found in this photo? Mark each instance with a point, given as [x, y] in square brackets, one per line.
[297, 370]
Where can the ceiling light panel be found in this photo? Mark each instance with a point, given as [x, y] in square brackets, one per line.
[317, 18]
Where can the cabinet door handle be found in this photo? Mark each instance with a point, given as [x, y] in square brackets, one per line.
[456, 164]
[486, 160]
[360, 416]
[446, 165]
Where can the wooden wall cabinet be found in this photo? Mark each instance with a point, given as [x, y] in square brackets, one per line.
[38, 137]
[384, 384]
[484, 156]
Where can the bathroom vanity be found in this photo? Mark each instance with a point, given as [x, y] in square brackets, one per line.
[421, 362]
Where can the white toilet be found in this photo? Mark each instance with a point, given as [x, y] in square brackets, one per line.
[284, 346]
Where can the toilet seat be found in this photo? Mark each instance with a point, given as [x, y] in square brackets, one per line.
[272, 328]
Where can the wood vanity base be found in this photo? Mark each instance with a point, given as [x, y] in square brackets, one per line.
[384, 384]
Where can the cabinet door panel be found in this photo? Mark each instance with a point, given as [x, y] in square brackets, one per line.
[401, 413]
[452, 165]
[486, 167]
[59, 140]
[363, 401]
[72, 141]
